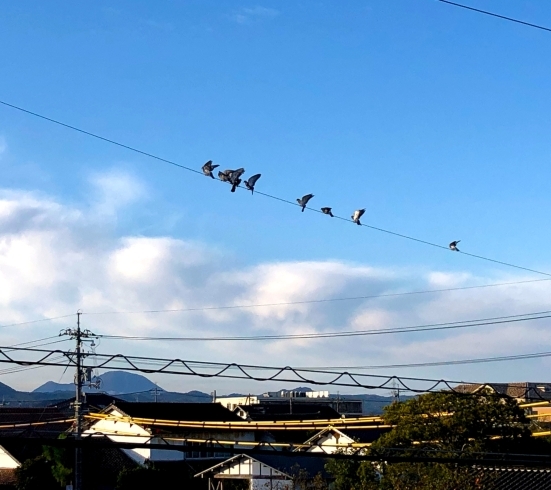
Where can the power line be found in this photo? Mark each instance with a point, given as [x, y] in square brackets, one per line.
[287, 374]
[383, 230]
[496, 15]
[260, 373]
[36, 321]
[328, 300]
[349, 333]
[514, 357]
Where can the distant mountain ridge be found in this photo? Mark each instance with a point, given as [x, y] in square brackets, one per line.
[134, 387]
[112, 382]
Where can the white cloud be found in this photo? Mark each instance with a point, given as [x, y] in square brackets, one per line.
[56, 258]
[114, 190]
[249, 14]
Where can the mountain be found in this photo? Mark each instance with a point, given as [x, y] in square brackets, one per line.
[52, 387]
[112, 382]
[6, 390]
[116, 382]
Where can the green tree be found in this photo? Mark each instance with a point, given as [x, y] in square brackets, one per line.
[59, 462]
[353, 475]
[444, 424]
[36, 474]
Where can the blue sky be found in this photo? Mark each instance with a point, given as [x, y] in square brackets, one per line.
[433, 118]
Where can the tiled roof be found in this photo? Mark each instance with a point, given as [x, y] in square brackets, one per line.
[7, 477]
[286, 464]
[297, 411]
[515, 479]
[522, 390]
[201, 412]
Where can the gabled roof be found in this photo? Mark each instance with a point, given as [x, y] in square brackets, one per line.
[326, 431]
[523, 390]
[286, 464]
[515, 478]
[195, 412]
[286, 411]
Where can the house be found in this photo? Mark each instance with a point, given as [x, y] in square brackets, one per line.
[344, 405]
[536, 397]
[169, 423]
[266, 471]
[8, 465]
[328, 441]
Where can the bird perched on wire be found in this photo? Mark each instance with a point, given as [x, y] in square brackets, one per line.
[304, 201]
[357, 215]
[224, 175]
[249, 184]
[235, 179]
[453, 246]
[327, 211]
[208, 168]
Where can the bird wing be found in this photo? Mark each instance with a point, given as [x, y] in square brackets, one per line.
[252, 180]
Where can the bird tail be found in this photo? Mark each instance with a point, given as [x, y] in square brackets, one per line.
[358, 222]
[303, 208]
[233, 187]
[331, 214]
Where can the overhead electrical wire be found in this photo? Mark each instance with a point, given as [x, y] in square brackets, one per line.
[511, 19]
[481, 360]
[325, 300]
[260, 373]
[36, 321]
[170, 162]
[226, 370]
[349, 333]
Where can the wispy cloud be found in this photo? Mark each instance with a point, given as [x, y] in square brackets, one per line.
[250, 14]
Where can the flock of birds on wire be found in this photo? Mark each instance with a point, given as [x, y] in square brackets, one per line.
[233, 177]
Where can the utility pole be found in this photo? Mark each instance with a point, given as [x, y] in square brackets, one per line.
[78, 334]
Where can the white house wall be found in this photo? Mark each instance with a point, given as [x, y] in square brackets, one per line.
[7, 461]
[328, 444]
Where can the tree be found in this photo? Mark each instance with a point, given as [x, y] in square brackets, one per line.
[36, 474]
[446, 425]
[450, 422]
[59, 462]
[353, 475]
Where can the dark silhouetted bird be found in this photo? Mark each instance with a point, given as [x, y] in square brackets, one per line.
[208, 168]
[249, 184]
[235, 179]
[453, 246]
[304, 201]
[224, 175]
[327, 211]
[357, 215]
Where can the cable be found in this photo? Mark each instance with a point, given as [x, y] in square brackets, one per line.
[230, 370]
[287, 374]
[401, 235]
[36, 321]
[329, 300]
[514, 357]
[350, 333]
[496, 15]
